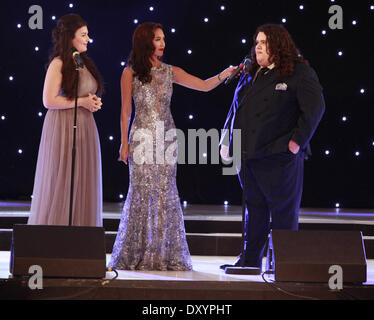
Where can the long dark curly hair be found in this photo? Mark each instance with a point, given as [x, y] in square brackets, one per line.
[62, 36]
[142, 50]
[282, 49]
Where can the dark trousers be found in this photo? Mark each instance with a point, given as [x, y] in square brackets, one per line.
[273, 190]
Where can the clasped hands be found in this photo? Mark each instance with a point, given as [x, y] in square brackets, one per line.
[92, 102]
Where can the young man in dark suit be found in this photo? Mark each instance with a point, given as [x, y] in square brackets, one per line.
[277, 107]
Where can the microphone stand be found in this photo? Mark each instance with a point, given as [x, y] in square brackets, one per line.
[74, 146]
[242, 269]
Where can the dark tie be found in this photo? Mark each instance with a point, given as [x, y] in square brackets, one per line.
[260, 73]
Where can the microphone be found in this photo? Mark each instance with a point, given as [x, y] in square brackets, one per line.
[245, 65]
[77, 58]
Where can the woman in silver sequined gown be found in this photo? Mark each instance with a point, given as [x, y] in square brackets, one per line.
[151, 234]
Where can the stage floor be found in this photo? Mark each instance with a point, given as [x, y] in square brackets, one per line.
[205, 282]
[213, 232]
[217, 212]
[205, 268]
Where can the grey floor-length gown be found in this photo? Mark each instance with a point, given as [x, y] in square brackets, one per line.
[51, 193]
[151, 233]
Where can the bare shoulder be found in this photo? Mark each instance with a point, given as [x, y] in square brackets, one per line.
[55, 66]
[127, 72]
[178, 73]
[56, 62]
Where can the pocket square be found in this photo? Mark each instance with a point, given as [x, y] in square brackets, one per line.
[281, 87]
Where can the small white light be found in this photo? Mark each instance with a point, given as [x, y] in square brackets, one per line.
[151, 8]
[40, 114]
[190, 117]
[121, 196]
[91, 40]
[136, 21]
[371, 143]
[340, 53]
[284, 20]
[172, 30]
[222, 8]
[301, 7]
[71, 5]
[371, 7]
[3, 118]
[123, 63]
[225, 203]
[53, 17]
[32, 197]
[20, 151]
[362, 91]
[354, 22]
[337, 205]
[357, 153]
[344, 118]
[36, 48]
[11, 78]
[189, 51]
[244, 41]
[204, 155]
[19, 26]
[206, 19]
[324, 32]
[327, 152]
[111, 138]
[185, 203]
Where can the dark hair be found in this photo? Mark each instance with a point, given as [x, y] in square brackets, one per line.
[62, 36]
[142, 50]
[282, 49]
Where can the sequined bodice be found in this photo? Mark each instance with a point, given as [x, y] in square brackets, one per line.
[152, 100]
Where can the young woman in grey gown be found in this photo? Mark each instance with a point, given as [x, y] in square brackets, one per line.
[51, 194]
[151, 233]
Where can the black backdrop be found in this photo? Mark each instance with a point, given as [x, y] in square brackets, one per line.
[340, 177]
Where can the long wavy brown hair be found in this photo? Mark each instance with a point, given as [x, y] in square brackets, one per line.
[62, 36]
[142, 50]
[282, 49]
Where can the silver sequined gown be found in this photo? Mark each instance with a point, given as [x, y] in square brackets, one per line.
[151, 234]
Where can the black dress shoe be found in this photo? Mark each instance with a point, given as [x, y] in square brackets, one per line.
[236, 264]
[243, 270]
[224, 266]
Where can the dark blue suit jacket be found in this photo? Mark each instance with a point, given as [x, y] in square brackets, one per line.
[274, 110]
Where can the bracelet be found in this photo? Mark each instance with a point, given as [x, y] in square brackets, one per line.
[219, 78]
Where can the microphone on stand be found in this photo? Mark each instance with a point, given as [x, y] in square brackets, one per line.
[244, 66]
[77, 58]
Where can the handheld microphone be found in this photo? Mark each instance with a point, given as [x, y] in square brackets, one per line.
[77, 58]
[245, 65]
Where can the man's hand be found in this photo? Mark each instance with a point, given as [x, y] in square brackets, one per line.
[293, 147]
[224, 153]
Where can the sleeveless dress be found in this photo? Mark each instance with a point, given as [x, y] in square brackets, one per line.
[51, 194]
[151, 234]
